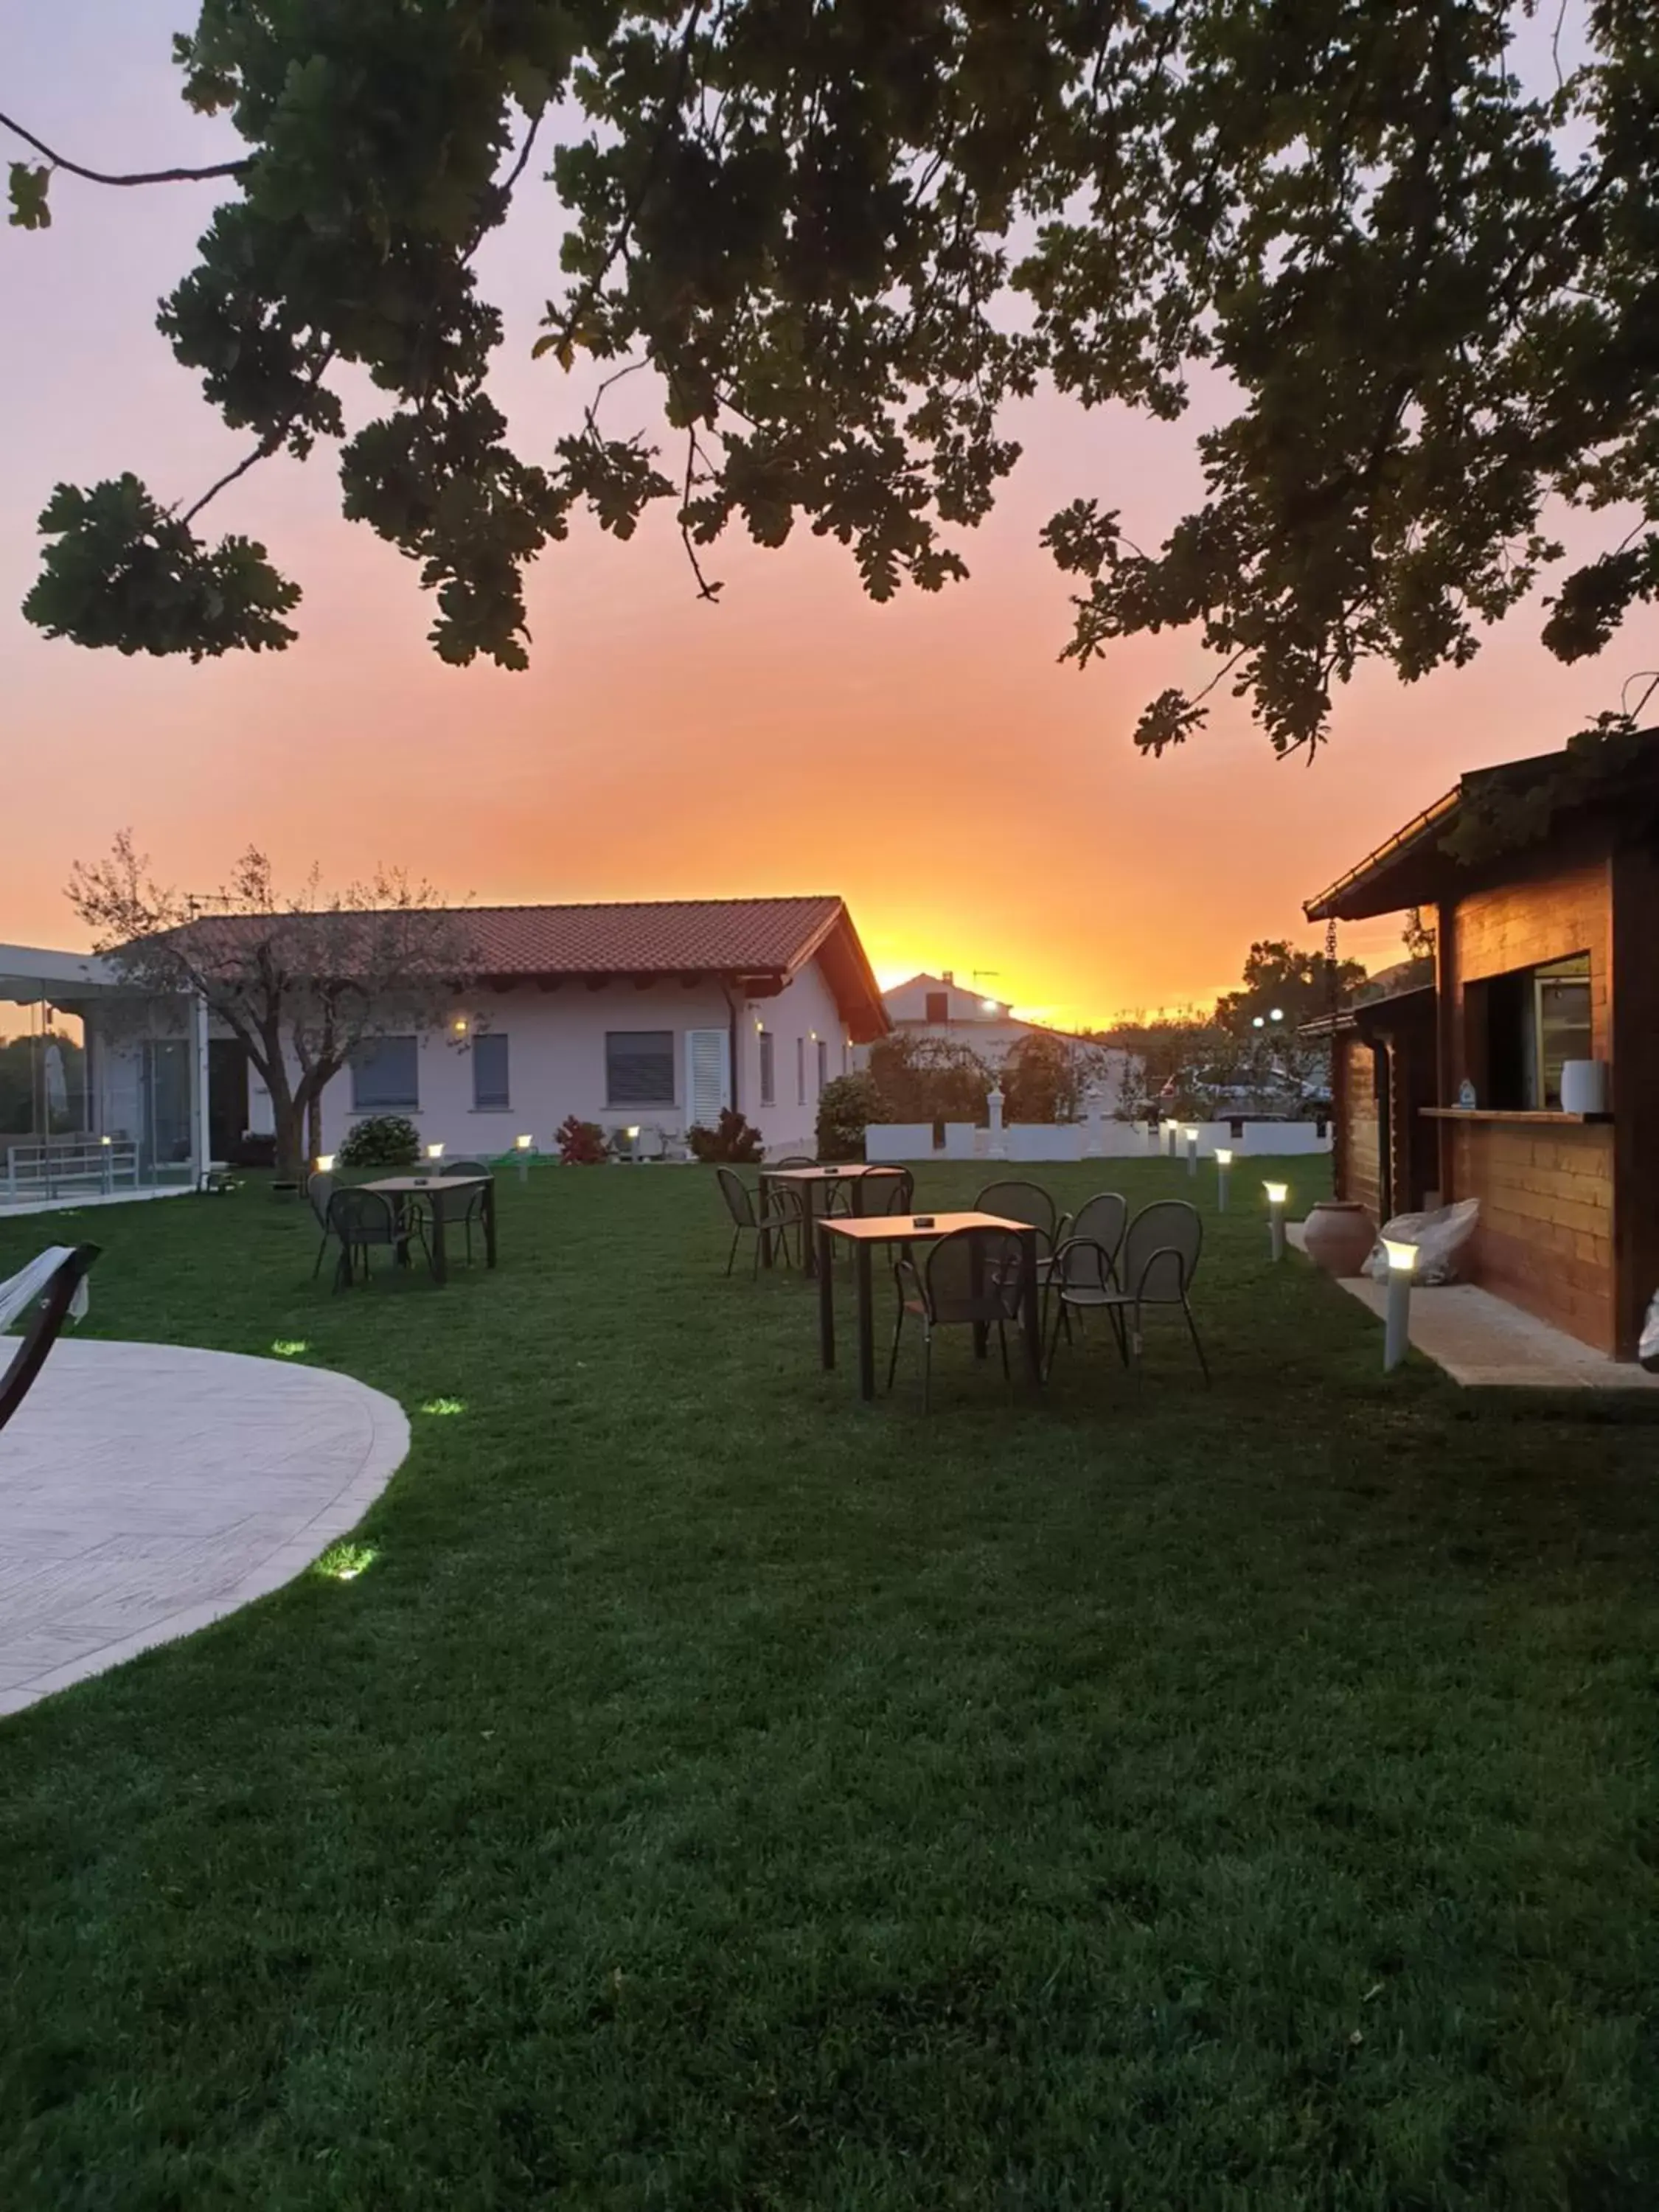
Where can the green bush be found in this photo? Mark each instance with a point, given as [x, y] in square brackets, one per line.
[847, 1106]
[383, 1141]
[733, 1141]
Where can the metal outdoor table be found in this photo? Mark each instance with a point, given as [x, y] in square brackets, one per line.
[405, 1189]
[806, 1182]
[863, 1235]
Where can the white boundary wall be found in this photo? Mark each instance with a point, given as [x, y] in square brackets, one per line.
[1034, 1141]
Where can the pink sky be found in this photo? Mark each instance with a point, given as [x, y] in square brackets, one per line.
[980, 807]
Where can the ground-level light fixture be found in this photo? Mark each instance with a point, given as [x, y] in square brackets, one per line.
[523, 1144]
[1396, 1322]
[435, 1152]
[1191, 1137]
[1224, 1161]
[1277, 1197]
[105, 1141]
[325, 1163]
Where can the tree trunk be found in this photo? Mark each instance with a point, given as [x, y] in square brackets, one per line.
[288, 1119]
[314, 1125]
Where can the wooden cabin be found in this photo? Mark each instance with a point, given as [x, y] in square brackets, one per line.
[1541, 880]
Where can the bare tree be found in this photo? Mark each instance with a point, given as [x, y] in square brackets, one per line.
[300, 981]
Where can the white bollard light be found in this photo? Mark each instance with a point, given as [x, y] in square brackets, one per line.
[1224, 1161]
[996, 1149]
[1191, 1136]
[1277, 1196]
[1397, 1321]
[522, 1146]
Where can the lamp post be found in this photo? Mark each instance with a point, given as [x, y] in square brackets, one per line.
[1191, 1136]
[434, 1154]
[1174, 1134]
[1224, 1160]
[522, 1146]
[1396, 1324]
[1278, 1193]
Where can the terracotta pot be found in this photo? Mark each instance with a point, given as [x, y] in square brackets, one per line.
[1339, 1235]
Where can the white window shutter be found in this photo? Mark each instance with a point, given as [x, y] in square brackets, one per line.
[707, 1075]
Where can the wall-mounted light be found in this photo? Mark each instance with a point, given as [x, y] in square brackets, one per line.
[459, 1025]
[989, 1006]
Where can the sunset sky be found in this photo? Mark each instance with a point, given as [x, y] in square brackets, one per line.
[979, 806]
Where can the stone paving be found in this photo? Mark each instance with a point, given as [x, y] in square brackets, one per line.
[1486, 1343]
[146, 1490]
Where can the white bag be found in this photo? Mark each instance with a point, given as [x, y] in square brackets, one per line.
[1647, 1345]
[1441, 1239]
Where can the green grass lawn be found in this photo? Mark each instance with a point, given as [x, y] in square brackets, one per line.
[719, 1794]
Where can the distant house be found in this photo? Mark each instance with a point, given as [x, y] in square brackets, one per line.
[655, 1014]
[938, 1006]
[1546, 954]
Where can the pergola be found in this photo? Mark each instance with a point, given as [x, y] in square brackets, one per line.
[81, 985]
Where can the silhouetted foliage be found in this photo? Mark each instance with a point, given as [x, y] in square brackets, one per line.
[733, 1141]
[923, 1078]
[842, 241]
[847, 1106]
[380, 1140]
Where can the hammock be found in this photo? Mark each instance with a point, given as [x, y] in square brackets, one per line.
[20, 1291]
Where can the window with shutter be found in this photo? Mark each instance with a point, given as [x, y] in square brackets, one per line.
[938, 1006]
[769, 1069]
[707, 1075]
[490, 1090]
[639, 1068]
[386, 1075]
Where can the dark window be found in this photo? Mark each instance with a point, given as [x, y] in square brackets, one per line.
[1521, 1028]
[489, 1084]
[769, 1068]
[639, 1068]
[386, 1075]
[824, 1064]
[938, 1006]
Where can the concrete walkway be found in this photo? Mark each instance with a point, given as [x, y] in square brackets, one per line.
[146, 1490]
[1485, 1342]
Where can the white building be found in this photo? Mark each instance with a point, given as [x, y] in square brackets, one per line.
[655, 1015]
[938, 1006]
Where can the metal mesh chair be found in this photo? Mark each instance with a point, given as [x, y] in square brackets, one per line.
[873, 1194]
[1156, 1266]
[970, 1277]
[1082, 1276]
[793, 1160]
[460, 1208]
[774, 1215]
[319, 1188]
[364, 1221]
[1031, 1203]
[52, 1310]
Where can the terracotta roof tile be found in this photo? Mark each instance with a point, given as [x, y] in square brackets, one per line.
[732, 935]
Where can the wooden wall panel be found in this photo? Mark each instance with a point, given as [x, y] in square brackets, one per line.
[1545, 1239]
[1554, 912]
[1361, 1154]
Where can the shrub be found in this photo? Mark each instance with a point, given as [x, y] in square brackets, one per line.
[847, 1106]
[731, 1140]
[581, 1143]
[382, 1140]
[929, 1079]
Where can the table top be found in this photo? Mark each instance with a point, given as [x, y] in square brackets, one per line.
[850, 1173]
[411, 1186]
[904, 1228]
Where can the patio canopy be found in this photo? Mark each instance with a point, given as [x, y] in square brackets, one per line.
[30, 973]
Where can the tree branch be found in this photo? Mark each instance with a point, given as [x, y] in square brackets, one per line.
[266, 446]
[590, 291]
[138, 177]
